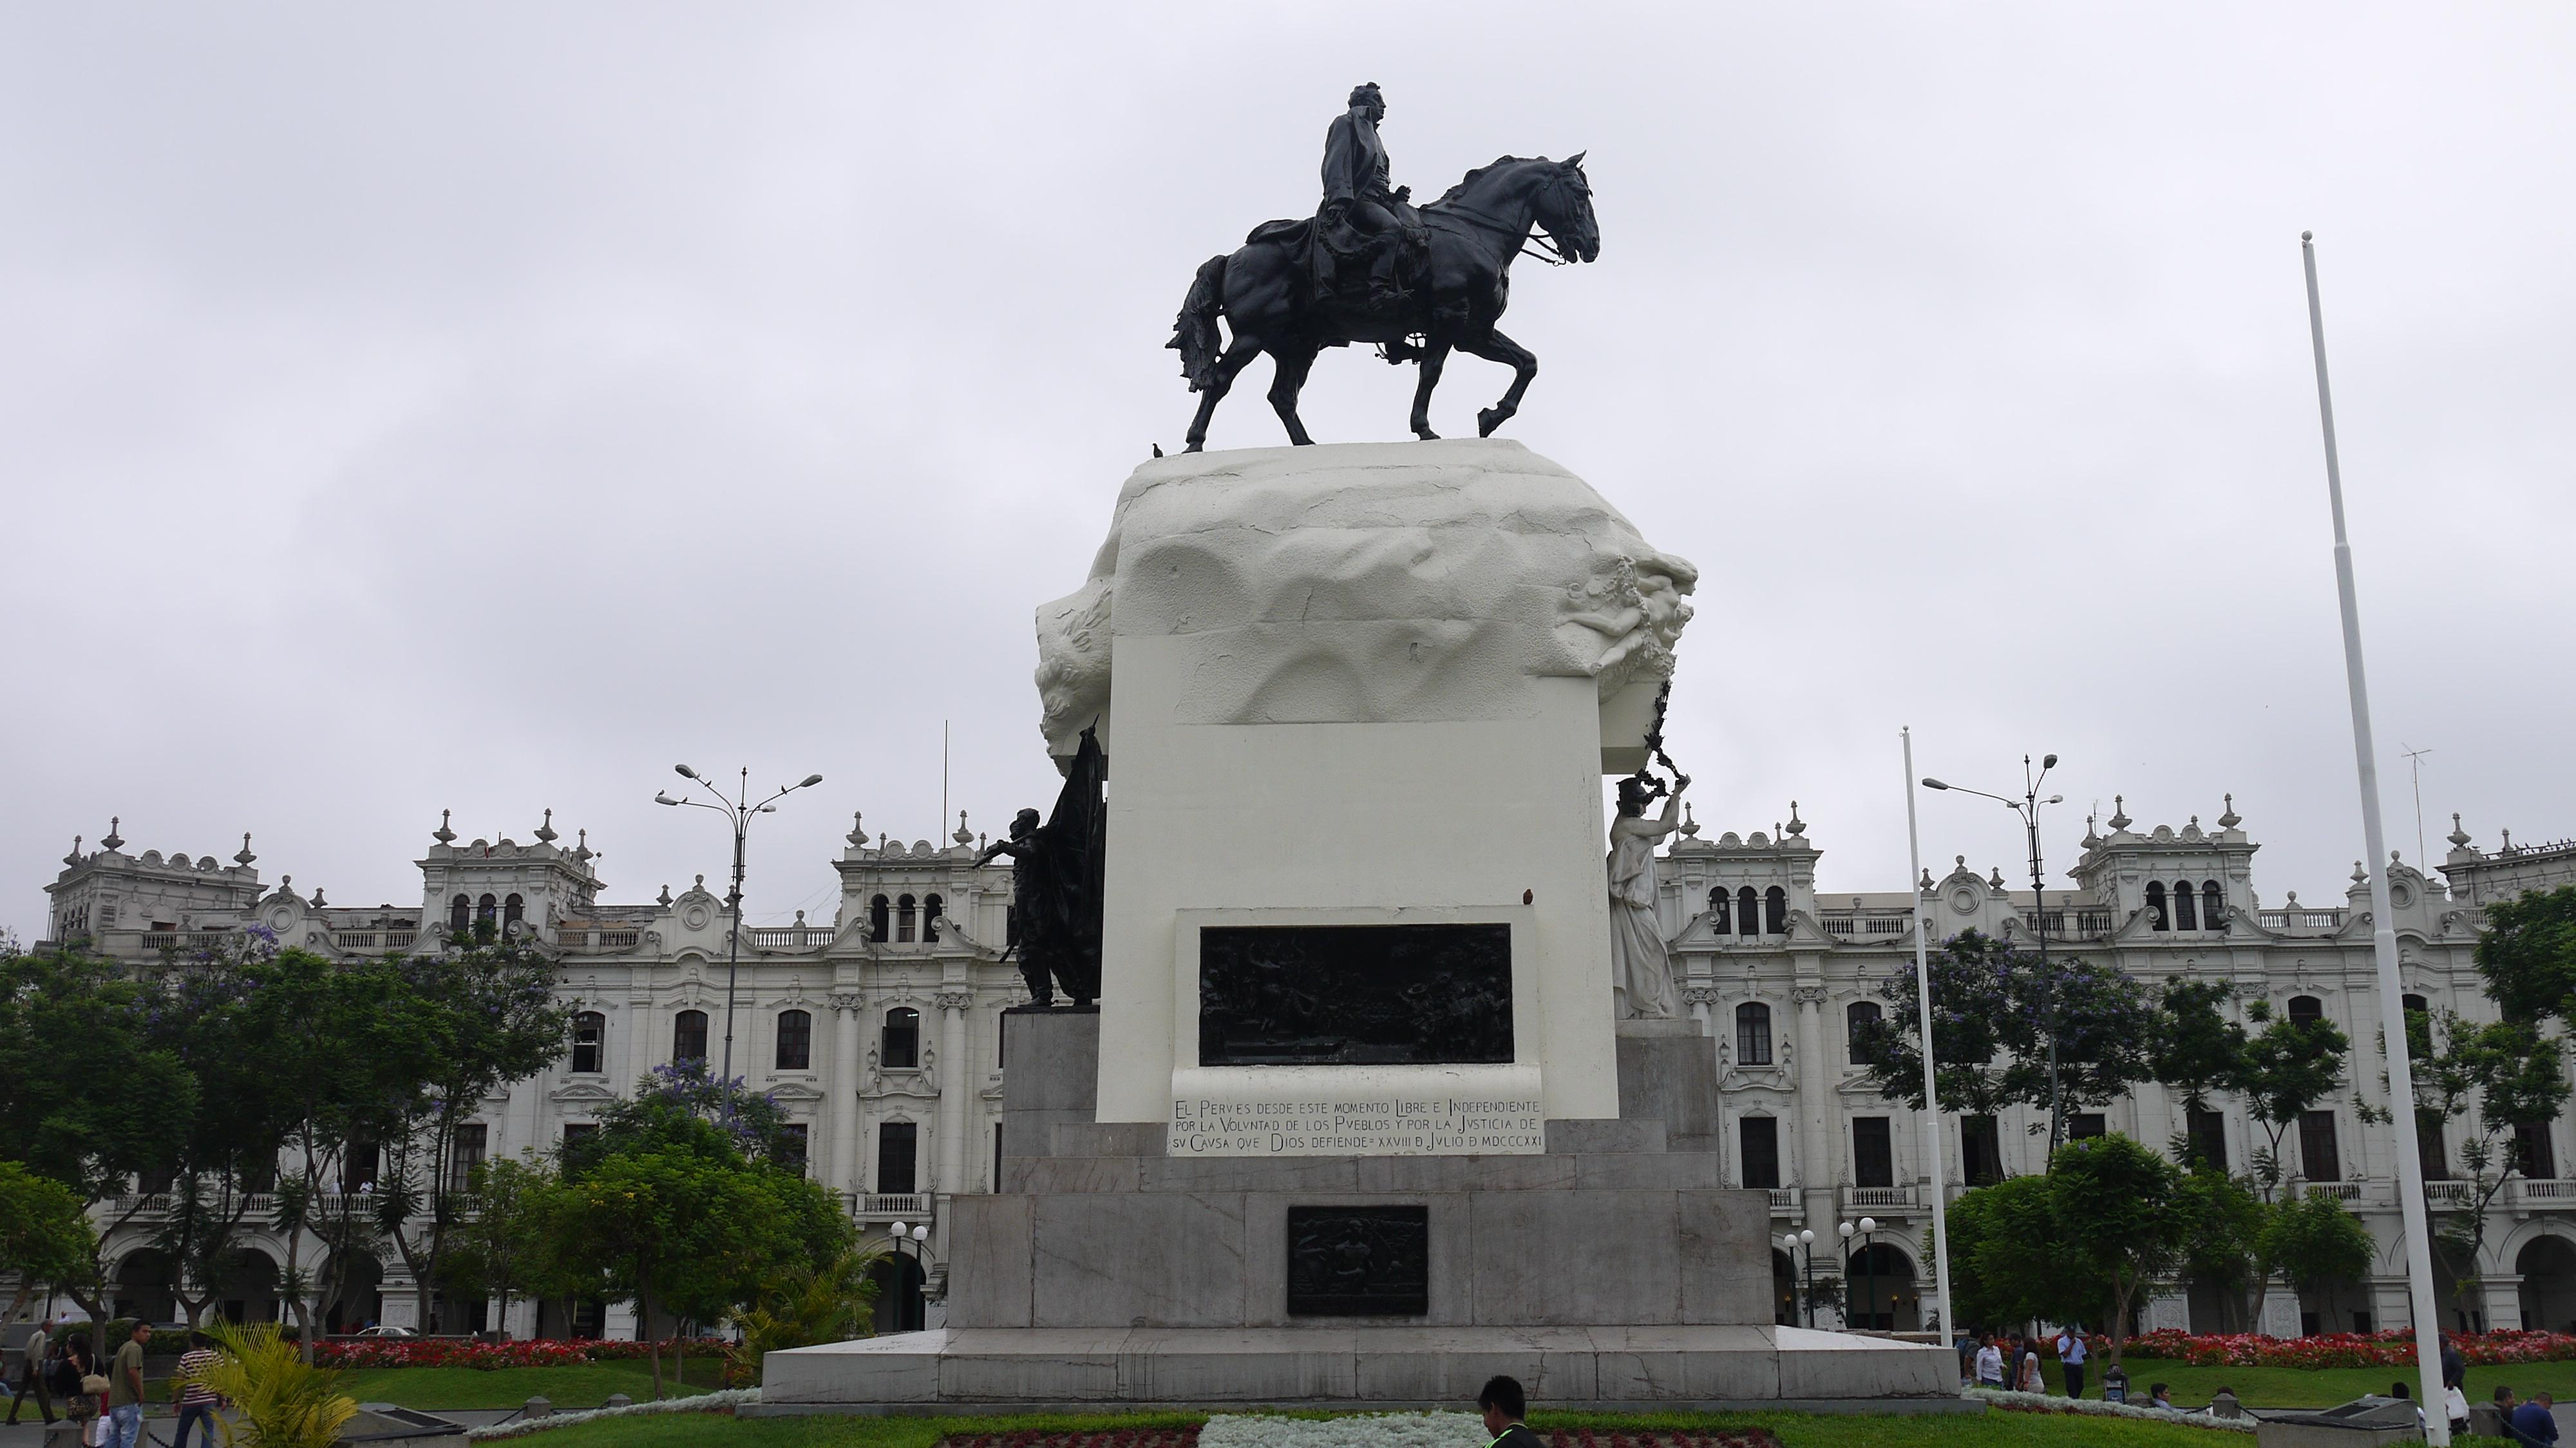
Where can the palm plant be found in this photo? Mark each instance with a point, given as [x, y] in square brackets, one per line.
[282, 1401]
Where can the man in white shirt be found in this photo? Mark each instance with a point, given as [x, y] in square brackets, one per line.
[1990, 1365]
[2070, 1356]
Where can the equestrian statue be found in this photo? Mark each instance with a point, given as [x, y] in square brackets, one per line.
[1371, 267]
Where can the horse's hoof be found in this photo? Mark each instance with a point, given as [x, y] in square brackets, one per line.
[1489, 419]
[1195, 447]
[1426, 434]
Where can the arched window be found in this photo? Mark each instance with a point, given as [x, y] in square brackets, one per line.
[900, 1048]
[1775, 911]
[930, 908]
[460, 915]
[1753, 1034]
[689, 1036]
[2213, 906]
[1748, 912]
[2186, 915]
[1858, 1019]
[2306, 1010]
[485, 909]
[589, 1032]
[879, 913]
[2156, 905]
[795, 1041]
[1718, 915]
[513, 910]
[903, 908]
[2415, 1005]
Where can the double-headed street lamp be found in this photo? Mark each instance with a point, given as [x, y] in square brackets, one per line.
[2028, 807]
[1793, 1241]
[737, 811]
[1867, 1230]
[920, 1239]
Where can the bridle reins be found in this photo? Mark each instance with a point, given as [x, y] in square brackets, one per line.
[1550, 250]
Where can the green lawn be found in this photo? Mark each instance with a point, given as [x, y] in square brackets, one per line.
[2311, 1387]
[1991, 1430]
[586, 1385]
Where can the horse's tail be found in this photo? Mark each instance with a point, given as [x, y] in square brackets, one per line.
[1194, 332]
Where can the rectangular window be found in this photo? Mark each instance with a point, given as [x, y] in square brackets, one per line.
[157, 1181]
[1981, 1150]
[358, 1167]
[1873, 1152]
[259, 1176]
[2318, 1157]
[1761, 1137]
[2208, 1132]
[2085, 1125]
[576, 1133]
[795, 1041]
[2429, 1147]
[2534, 1156]
[791, 1146]
[1753, 1034]
[465, 1153]
[895, 1150]
[587, 1029]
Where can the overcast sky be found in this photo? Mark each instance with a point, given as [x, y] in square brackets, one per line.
[483, 408]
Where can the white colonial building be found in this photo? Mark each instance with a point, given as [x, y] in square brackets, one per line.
[882, 1032]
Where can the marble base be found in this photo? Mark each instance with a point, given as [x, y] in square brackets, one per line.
[1665, 1368]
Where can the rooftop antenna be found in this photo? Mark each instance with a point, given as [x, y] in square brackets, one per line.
[943, 774]
[2415, 762]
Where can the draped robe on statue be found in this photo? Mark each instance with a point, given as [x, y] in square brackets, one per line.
[1640, 971]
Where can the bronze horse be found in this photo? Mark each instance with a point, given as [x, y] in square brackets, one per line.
[1265, 292]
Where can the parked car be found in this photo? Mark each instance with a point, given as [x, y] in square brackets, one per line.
[382, 1330]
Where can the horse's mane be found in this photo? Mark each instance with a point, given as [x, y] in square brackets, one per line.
[1478, 174]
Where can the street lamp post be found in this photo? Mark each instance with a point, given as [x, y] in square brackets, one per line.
[920, 1239]
[1867, 1229]
[1793, 1241]
[2028, 807]
[737, 811]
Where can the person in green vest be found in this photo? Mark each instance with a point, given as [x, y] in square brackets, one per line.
[1505, 1404]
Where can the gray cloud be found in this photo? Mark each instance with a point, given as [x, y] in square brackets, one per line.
[485, 408]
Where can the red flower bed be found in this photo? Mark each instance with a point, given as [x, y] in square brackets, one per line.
[453, 1352]
[1661, 1438]
[2391, 1348]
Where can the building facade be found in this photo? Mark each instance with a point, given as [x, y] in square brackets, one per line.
[882, 1033]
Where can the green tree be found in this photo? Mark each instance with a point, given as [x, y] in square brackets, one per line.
[91, 1099]
[45, 1236]
[2527, 952]
[2124, 1214]
[474, 1021]
[810, 1303]
[2197, 1049]
[2223, 1240]
[2288, 1067]
[2312, 1241]
[502, 1243]
[2490, 1079]
[1993, 1007]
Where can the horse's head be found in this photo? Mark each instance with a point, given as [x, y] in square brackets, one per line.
[1563, 206]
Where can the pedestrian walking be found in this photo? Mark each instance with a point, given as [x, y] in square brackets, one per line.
[125, 1390]
[77, 1381]
[2071, 1354]
[197, 1402]
[2030, 1380]
[38, 1359]
[1966, 1343]
[1990, 1365]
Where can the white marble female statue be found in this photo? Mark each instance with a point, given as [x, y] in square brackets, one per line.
[1640, 973]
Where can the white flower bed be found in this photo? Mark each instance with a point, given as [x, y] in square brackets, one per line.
[700, 1403]
[2106, 1410]
[1373, 1430]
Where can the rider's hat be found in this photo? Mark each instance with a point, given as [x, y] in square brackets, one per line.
[1366, 91]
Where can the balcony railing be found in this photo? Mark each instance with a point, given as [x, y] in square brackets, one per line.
[188, 941]
[2450, 1194]
[1878, 1199]
[791, 937]
[2340, 1191]
[2086, 922]
[891, 1206]
[375, 939]
[2546, 1192]
[2327, 920]
[1784, 1201]
[589, 941]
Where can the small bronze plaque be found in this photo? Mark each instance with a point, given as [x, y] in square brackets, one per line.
[1359, 1261]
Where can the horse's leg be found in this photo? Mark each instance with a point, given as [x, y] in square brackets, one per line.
[1289, 365]
[1434, 356]
[1495, 347]
[1234, 361]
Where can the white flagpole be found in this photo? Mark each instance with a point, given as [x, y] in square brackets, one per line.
[2383, 934]
[1931, 1113]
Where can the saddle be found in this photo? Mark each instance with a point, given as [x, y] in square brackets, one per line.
[1337, 256]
